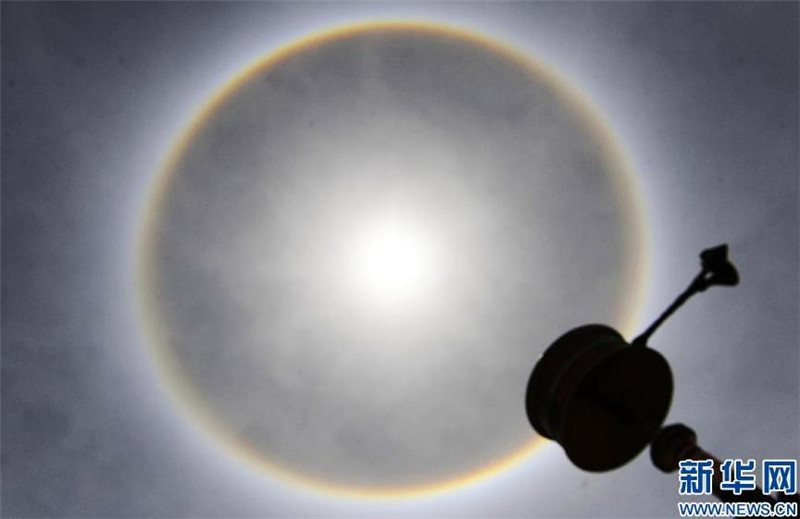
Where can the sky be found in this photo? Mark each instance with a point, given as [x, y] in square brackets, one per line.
[569, 172]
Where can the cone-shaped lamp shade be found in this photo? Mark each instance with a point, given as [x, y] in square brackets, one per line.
[719, 271]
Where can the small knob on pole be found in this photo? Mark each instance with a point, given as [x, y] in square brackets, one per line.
[678, 442]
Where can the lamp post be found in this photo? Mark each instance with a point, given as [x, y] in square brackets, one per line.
[604, 400]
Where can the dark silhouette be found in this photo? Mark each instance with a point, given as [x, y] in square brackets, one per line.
[716, 270]
[603, 399]
[600, 398]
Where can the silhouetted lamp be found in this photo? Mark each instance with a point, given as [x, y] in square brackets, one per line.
[602, 398]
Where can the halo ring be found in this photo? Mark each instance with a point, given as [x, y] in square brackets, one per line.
[625, 185]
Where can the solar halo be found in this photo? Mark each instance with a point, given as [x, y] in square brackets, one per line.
[387, 270]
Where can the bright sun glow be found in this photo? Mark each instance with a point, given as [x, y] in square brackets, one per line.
[393, 263]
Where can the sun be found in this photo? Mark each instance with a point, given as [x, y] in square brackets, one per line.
[393, 263]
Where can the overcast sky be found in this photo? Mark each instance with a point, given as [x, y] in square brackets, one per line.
[699, 99]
